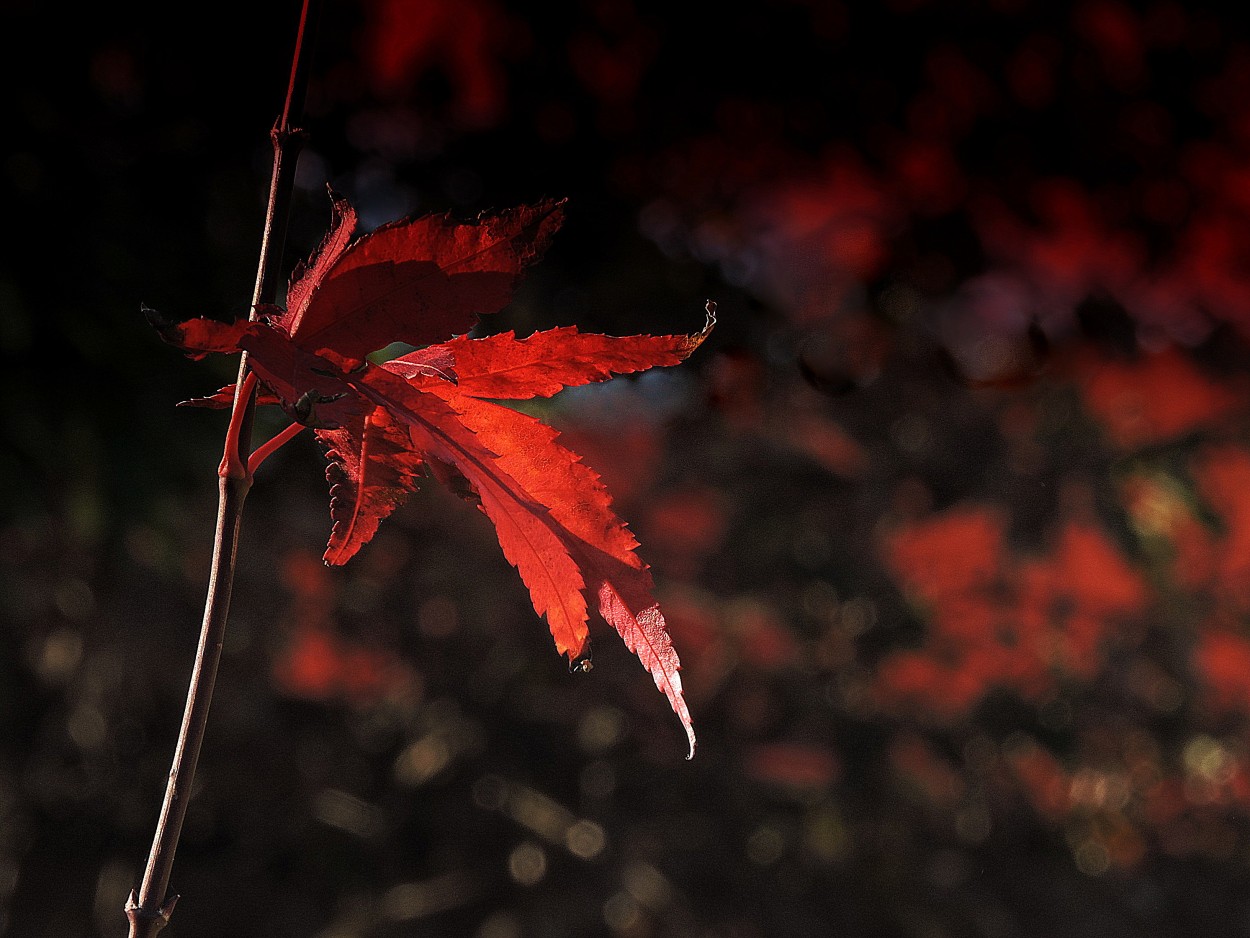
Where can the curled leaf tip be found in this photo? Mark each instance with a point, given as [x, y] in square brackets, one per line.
[155, 317]
[710, 323]
[692, 342]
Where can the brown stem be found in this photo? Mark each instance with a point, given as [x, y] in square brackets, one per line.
[149, 909]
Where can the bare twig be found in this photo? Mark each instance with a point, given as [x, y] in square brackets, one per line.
[149, 908]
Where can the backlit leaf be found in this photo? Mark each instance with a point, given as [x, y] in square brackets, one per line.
[424, 282]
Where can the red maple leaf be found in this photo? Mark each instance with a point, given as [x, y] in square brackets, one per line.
[430, 413]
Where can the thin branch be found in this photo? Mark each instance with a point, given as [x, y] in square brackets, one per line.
[149, 909]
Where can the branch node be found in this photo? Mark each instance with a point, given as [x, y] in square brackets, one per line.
[148, 921]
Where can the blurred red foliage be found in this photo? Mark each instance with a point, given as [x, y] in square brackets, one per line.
[1222, 478]
[1072, 582]
[315, 662]
[1156, 398]
[792, 765]
[405, 40]
[999, 619]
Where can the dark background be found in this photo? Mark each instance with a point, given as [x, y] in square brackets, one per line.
[950, 516]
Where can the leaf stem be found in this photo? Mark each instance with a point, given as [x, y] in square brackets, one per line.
[149, 909]
[232, 464]
[267, 449]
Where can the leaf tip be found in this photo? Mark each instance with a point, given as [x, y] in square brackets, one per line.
[172, 331]
[156, 319]
[691, 342]
[581, 662]
[710, 322]
[683, 713]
